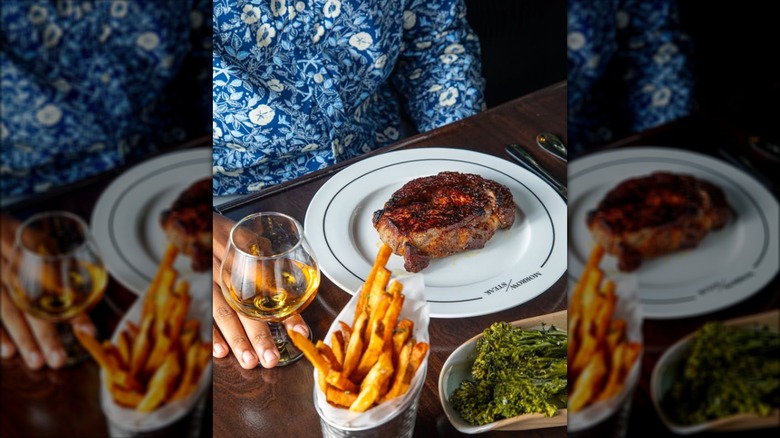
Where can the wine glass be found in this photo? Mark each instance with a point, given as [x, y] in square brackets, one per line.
[269, 273]
[56, 272]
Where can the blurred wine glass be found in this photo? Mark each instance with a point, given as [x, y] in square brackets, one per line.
[56, 272]
[269, 273]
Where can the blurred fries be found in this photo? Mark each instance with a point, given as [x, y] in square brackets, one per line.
[162, 358]
[374, 359]
[600, 354]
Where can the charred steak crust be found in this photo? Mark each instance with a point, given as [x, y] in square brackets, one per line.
[656, 214]
[187, 224]
[440, 215]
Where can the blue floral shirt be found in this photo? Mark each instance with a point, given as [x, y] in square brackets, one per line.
[628, 69]
[300, 85]
[90, 85]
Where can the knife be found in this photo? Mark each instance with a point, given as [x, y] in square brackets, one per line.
[527, 161]
[552, 144]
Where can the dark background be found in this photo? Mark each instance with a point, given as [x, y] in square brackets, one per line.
[523, 45]
[735, 49]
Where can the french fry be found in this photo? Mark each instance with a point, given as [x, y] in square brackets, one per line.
[309, 351]
[340, 397]
[337, 346]
[600, 355]
[378, 355]
[160, 358]
[347, 330]
[142, 345]
[587, 385]
[400, 371]
[369, 389]
[328, 354]
[188, 382]
[125, 397]
[160, 384]
[338, 380]
[355, 346]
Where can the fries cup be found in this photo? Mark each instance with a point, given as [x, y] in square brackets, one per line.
[124, 422]
[395, 417]
[609, 417]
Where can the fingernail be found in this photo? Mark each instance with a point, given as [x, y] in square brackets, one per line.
[269, 356]
[89, 329]
[247, 356]
[55, 358]
[219, 350]
[302, 329]
[6, 351]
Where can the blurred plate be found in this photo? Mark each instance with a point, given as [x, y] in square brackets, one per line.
[126, 218]
[728, 266]
[457, 368]
[515, 266]
[665, 373]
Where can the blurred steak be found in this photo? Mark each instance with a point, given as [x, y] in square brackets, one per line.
[188, 224]
[656, 214]
[444, 214]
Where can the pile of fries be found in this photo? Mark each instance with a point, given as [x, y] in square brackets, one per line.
[600, 354]
[374, 359]
[161, 359]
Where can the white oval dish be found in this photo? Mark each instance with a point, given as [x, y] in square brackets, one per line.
[663, 377]
[457, 368]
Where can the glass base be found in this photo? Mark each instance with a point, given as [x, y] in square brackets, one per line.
[75, 353]
[288, 352]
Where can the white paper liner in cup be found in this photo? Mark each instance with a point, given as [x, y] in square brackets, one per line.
[126, 421]
[416, 309]
[628, 308]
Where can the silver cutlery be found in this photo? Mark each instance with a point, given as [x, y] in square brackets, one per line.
[552, 144]
[527, 161]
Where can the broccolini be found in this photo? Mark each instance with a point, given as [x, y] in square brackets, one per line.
[516, 371]
[730, 370]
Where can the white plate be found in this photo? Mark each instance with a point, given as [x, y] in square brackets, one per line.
[728, 266]
[126, 218]
[515, 266]
[457, 368]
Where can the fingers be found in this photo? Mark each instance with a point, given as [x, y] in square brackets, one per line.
[296, 323]
[48, 340]
[219, 347]
[16, 324]
[262, 341]
[232, 330]
[7, 347]
[82, 323]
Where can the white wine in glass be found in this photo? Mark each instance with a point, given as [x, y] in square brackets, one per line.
[55, 272]
[270, 273]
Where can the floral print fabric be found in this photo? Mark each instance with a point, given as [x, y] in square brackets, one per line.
[89, 85]
[300, 85]
[628, 69]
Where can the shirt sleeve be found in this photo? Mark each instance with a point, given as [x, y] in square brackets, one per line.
[439, 67]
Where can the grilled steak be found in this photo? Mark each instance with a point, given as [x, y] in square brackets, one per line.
[444, 214]
[188, 224]
[656, 214]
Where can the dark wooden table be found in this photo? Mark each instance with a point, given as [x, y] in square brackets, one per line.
[66, 403]
[278, 402]
[718, 138]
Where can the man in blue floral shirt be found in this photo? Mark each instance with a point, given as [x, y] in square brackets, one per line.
[301, 85]
[628, 69]
[90, 85]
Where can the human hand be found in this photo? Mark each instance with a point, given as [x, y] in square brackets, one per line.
[36, 340]
[250, 340]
